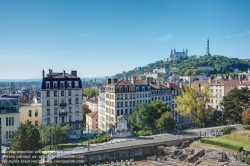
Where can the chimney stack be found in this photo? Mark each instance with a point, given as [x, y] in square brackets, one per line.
[240, 77]
[74, 73]
[148, 80]
[43, 73]
[159, 84]
[64, 74]
[209, 80]
[109, 81]
[50, 72]
[115, 80]
[230, 77]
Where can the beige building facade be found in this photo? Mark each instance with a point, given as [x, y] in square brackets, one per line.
[92, 121]
[32, 113]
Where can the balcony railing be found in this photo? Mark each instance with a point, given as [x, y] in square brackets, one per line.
[62, 113]
[63, 105]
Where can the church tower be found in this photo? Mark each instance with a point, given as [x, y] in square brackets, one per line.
[208, 51]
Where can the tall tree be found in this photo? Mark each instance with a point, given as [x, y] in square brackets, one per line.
[193, 101]
[85, 110]
[91, 92]
[27, 137]
[246, 116]
[56, 132]
[166, 122]
[234, 103]
[160, 107]
[143, 117]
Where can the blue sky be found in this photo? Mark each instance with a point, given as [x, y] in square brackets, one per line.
[101, 38]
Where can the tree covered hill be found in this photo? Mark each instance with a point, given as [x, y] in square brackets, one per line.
[189, 66]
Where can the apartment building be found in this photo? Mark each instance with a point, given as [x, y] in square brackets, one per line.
[219, 87]
[92, 103]
[102, 112]
[92, 120]
[9, 116]
[31, 112]
[61, 95]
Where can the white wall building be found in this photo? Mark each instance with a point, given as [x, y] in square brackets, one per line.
[62, 100]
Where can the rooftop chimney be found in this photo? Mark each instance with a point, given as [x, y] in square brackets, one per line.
[240, 77]
[50, 72]
[43, 73]
[209, 80]
[115, 80]
[132, 80]
[74, 73]
[63, 73]
[159, 84]
[109, 81]
[148, 80]
[230, 77]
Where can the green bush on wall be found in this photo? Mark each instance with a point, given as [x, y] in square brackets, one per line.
[222, 144]
[247, 127]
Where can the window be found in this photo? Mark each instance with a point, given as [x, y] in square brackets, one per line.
[55, 93]
[7, 124]
[36, 123]
[69, 92]
[137, 89]
[55, 111]
[29, 113]
[47, 94]
[130, 111]
[10, 134]
[55, 102]
[76, 93]
[48, 103]
[70, 119]
[118, 96]
[62, 93]
[77, 117]
[118, 112]
[76, 84]
[126, 111]
[126, 96]
[121, 96]
[69, 101]
[62, 85]
[118, 104]
[77, 109]
[55, 84]
[48, 120]
[130, 103]
[126, 104]
[55, 119]
[0, 122]
[70, 110]
[162, 98]
[133, 103]
[9, 121]
[47, 85]
[48, 111]
[69, 84]
[121, 112]
[7, 135]
[62, 101]
[76, 100]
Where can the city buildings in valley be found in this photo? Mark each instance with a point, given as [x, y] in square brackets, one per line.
[62, 99]
[92, 121]
[31, 112]
[9, 116]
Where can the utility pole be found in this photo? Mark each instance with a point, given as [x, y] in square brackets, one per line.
[88, 137]
[55, 137]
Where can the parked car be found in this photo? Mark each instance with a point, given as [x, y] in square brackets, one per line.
[89, 134]
[73, 136]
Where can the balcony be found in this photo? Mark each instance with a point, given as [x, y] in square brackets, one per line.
[62, 113]
[63, 105]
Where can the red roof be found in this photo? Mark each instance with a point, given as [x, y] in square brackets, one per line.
[93, 114]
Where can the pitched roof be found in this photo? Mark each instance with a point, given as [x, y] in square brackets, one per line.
[93, 114]
[218, 81]
[164, 86]
[60, 75]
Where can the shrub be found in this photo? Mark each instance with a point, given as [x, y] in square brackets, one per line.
[227, 130]
[222, 144]
[247, 127]
[144, 133]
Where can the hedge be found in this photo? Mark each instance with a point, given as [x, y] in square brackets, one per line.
[222, 144]
[227, 130]
[247, 127]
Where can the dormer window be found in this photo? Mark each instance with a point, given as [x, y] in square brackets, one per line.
[47, 85]
[62, 85]
[76, 84]
[143, 89]
[54, 84]
[137, 89]
[69, 84]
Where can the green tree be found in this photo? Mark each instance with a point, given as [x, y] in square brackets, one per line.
[166, 122]
[85, 110]
[193, 101]
[143, 117]
[234, 103]
[91, 92]
[56, 132]
[160, 107]
[27, 137]
[246, 116]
